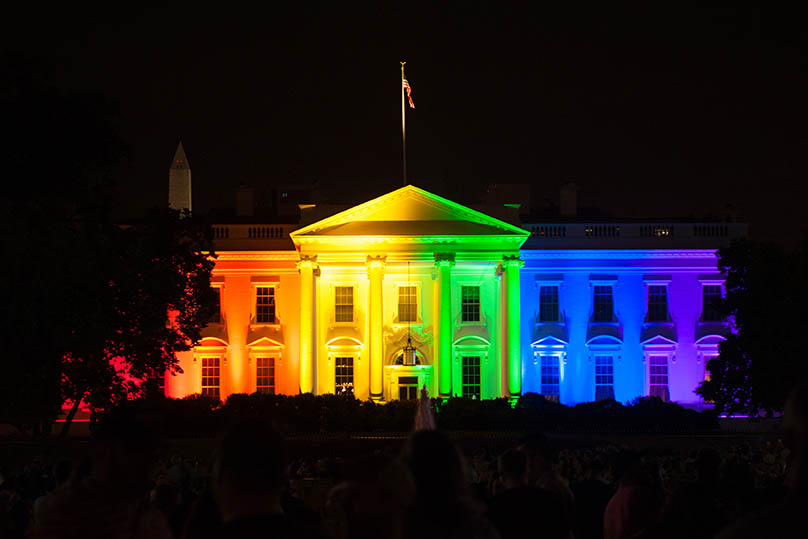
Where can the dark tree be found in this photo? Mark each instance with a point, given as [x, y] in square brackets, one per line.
[766, 296]
[145, 295]
[59, 153]
[85, 302]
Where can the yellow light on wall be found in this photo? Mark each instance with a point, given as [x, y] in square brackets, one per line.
[306, 267]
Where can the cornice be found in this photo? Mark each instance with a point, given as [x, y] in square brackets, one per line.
[422, 240]
[290, 256]
[616, 254]
[256, 271]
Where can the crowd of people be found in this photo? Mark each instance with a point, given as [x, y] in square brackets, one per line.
[253, 487]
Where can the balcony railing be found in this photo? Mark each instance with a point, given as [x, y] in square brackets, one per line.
[627, 235]
[542, 235]
[243, 236]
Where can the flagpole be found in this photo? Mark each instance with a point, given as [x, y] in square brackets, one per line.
[403, 126]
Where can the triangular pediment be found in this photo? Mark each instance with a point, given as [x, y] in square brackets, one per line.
[409, 211]
[658, 340]
[549, 342]
[265, 342]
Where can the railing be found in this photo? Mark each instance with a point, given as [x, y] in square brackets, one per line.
[711, 230]
[657, 231]
[654, 233]
[252, 232]
[265, 232]
[553, 232]
[602, 231]
[548, 231]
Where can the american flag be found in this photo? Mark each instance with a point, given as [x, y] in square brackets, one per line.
[409, 92]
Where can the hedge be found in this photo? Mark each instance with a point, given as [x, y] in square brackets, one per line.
[198, 416]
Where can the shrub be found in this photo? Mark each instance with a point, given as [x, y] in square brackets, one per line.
[198, 416]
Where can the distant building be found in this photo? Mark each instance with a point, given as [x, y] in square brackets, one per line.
[179, 182]
[411, 289]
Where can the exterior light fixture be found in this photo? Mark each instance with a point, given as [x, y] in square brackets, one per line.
[409, 356]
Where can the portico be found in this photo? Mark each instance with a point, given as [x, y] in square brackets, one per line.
[410, 264]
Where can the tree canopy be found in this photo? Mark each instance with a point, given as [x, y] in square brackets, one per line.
[766, 297]
[85, 300]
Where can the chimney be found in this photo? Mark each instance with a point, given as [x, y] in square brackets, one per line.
[569, 200]
[245, 201]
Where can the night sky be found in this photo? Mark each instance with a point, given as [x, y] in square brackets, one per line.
[652, 112]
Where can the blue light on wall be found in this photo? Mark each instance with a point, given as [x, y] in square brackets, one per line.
[643, 354]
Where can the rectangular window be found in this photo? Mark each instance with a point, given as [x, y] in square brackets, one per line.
[711, 295]
[550, 377]
[603, 304]
[548, 304]
[210, 377]
[471, 377]
[604, 378]
[265, 305]
[343, 376]
[657, 303]
[216, 315]
[407, 388]
[265, 375]
[470, 303]
[407, 304]
[658, 381]
[706, 359]
[343, 304]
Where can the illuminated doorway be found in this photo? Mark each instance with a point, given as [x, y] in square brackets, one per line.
[407, 388]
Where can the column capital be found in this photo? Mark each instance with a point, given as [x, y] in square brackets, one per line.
[378, 261]
[510, 261]
[306, 261]
[444, 259]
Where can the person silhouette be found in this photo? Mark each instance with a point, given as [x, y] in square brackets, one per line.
[788, 517]
[113, 499]
[249, 473]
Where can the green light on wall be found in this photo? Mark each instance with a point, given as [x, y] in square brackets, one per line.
[511, 265]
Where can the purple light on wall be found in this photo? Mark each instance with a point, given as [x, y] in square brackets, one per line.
[663, 353]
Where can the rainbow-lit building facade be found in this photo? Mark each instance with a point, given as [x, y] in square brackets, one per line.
[410, 290]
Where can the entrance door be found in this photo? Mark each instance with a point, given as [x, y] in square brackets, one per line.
[407, 388]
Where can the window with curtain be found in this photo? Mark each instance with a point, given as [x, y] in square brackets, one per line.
[711, 296]
[658, 382]
[343, 375]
